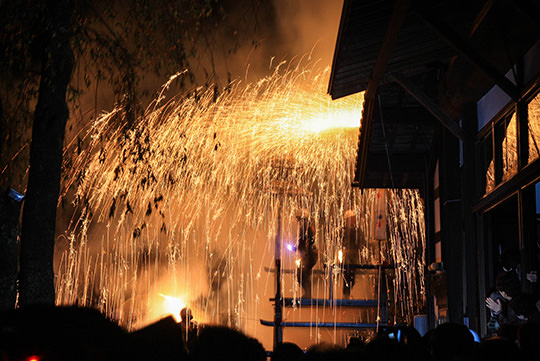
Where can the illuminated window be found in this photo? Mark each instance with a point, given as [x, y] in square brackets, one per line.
[534, 128]
[508, 129]
[501, 158]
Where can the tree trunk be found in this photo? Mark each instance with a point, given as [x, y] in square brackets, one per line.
[39, 213]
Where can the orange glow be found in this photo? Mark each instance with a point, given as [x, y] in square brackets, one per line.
[33, 358]
[340, 256]
[172, 306]
[332, 120]
[298, 262]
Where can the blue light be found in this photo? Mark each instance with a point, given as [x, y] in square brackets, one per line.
[475, 335]
[16, 196]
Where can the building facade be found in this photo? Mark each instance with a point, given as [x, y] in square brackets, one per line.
[452, 107]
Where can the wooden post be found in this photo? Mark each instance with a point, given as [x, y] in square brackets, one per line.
[278, 306]
[468, 194]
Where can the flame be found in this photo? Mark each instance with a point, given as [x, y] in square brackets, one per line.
[340, 256]
[298, 262]
[340, 119]
[172, 306]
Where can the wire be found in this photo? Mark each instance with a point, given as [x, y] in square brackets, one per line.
[385, 142]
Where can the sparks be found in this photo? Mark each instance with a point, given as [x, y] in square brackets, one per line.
[184, 198]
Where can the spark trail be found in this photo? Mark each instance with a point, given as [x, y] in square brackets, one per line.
[185, 201]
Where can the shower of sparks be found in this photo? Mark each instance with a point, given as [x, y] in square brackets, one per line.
[408, 244]
[185, 201]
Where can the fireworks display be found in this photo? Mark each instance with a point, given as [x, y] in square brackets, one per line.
[183, 203]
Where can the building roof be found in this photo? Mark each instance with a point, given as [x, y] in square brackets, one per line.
[417, 49]
[420, 63]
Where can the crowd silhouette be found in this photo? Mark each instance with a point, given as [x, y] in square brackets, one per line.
[44, 333]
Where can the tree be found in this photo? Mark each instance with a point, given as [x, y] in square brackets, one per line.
[39, 216]
[41, 43]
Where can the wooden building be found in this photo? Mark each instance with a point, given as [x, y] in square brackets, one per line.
[452, 107]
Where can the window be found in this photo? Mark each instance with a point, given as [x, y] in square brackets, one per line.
[507, 135]
[500, 152]
[534, 128]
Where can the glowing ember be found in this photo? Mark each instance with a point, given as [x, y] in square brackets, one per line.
[338, 119]
[172, 306]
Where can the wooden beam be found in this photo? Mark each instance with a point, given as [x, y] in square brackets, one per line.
[430, 105]
[397, 19]
[363, 141]
[401, 163]
[454, 40]
[481, 16]
[325, 302]
[337, 50]
[469, 173]
[321, 324]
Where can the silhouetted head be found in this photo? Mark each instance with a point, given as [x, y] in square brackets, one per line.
[510, 259]
[224, 343]
[498, 348]
[287, 351]
[186, 315]
[384, 348]
[325, 351]
[62, 333]
[451, 341]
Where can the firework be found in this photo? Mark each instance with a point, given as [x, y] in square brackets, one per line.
[185, 201]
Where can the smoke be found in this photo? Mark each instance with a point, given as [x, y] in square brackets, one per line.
[309, 26]
[285, 30]
[256, 37]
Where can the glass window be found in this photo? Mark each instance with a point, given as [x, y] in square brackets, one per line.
[487, 165]
[500, 162]
[534, 128]
[537, 198]
[509, 147]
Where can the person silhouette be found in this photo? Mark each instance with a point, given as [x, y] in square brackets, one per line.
[188, 327]
[353, 239]
[307, 250]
